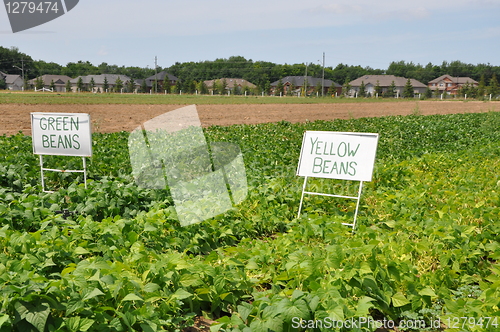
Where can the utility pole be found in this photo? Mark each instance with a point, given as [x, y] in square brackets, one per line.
[323, 78]
[22, 69]
[305, 81]
[156, 75]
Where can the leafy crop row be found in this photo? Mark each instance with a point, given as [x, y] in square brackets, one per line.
[427, 246]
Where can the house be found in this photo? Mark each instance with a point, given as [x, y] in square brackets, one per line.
[12, 82]
[294, 84]
[231, 84]
[59, 82]
[98, 82]
[450, 84]
[159, 78]
[384, 82]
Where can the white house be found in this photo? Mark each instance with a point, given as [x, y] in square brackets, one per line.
[385, 81]
[13, 82]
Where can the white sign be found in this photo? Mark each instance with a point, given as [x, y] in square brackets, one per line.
[338, 155]
[64, 134]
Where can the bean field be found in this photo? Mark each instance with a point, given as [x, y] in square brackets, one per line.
[113, 257]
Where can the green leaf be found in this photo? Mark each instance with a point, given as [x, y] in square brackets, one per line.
[365, 268]
[151, 287]
[364, 305]
[81, 251]
[95, 292]
[181, 294]
[148, 327]
[244, 310]
[131, 297]
[36, 315]
[399, 300]
[4, 319]
[86, 323]
[427, 292]
[73, 323]
[290, 309]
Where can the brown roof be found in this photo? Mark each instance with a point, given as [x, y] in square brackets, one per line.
[311, 81]
[47, 79]
[459, 80]
[385, 81]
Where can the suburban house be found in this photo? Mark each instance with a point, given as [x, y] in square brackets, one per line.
[58, 80]
[12, 82]
[294, 84]
[95, 83]
[450, 84]
[384, 82]
[231, 83]
[159, 78]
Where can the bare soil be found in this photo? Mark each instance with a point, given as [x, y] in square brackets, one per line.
[114, 117]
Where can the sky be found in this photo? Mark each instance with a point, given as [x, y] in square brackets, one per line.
[354, 32]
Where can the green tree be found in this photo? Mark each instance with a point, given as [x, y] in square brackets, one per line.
[189, 86]
[52, 85]
[493, 87]
[437, 93]
[332, 90]
[318, 88]
[79, 84]
[68, 86]
[428, 93]
[362, 90]
[105, 85]
[223, 86]
[44, 68]
[92, 84]
[39, 83]
[118, 84]
[391, 91]
[481, 88]
[408, 91]
[3, 84]
[465, 90]
[202, 88]
[378, 89]
[280, 88]
[26, 84]
[346, 88]
[236, 89]
[178, 87]
[144, 86]
[305, 87]
[131, 85]
[216, 87]
[81, 68]
[292, 87]
[166, 84]
[267, 87]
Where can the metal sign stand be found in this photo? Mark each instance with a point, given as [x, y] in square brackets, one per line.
[353, 225]
[42, 169]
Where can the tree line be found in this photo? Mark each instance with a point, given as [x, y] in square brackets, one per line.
[260, 73]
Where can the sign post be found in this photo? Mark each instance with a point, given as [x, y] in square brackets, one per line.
[337, 155]
[61, 134]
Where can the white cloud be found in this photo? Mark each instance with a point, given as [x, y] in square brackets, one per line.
[103, 51]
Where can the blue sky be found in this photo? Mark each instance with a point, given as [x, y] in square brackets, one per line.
[355, 32]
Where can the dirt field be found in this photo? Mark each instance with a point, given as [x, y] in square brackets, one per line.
[112, 118]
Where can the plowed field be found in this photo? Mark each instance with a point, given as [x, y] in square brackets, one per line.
[113, 117]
